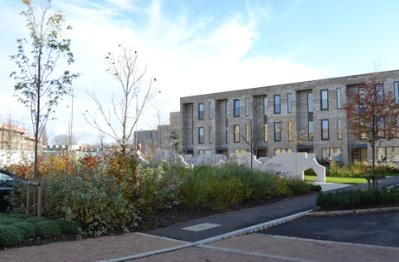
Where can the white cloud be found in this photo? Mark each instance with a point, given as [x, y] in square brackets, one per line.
[186, 57]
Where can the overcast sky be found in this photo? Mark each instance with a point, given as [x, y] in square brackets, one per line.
[203, 46]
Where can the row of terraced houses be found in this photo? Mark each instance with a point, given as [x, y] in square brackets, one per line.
[303, 117]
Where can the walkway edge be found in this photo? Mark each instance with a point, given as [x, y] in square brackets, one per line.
[239, 232]
[352, 211]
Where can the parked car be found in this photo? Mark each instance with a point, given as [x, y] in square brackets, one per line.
[7, 183]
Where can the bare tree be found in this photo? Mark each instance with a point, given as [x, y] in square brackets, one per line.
[373, 114]
[253, 133]
[120, 120]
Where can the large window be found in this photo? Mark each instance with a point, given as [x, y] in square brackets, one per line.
[277, 131]
[201, 135]
[324, 99]
[325, 129]
[290, 131]
[265, 133]
[236, 133]
[201, 111]
[339, 98]
[209, 110]
[332, 153]
[210, 134]
[247, 132]
[310, 130]
[289, 103]
[247, 106]
[309, 99]
[380, 93]
[339, 129]
[277, 104]
[396, 91]
[236, 108]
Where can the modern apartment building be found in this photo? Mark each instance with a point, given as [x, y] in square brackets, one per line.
[305, 117]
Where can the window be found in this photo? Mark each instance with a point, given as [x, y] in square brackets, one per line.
[236, 108]
[310, 101]
[277, 104]
[201, 111]
[290, 131]
[388, 154]
[236, 134]
[247, 133]
[247, 106]
[277, 131]
[339, 97]
[324, 99]
[200, 135]
[310, 130]
[266, 133]
[381, 127]
[396, 91]
[209, 110]
[210, 134]
[289, 103]
[380, 93]
[265, 105]
[279, 151]
[339, 129]
[332, 153]
[325, 129]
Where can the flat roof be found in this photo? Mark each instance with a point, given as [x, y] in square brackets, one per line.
[330, 79]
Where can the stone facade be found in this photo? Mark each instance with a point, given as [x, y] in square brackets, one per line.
[227, 122]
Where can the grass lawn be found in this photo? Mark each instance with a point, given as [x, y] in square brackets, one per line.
[19, 228]
[339, 180]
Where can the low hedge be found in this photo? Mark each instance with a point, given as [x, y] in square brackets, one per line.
[357, 199]
[17, 228]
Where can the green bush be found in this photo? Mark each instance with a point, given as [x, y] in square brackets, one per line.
[315, 188]
[68, 227]
[357, 199]
[29, 229]
[47, 228]
[19, 227]
[10, 236]
[96, 203]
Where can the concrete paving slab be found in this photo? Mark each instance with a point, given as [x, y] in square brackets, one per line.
[92, 249]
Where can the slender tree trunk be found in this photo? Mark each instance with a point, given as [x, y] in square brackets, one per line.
[37, 125]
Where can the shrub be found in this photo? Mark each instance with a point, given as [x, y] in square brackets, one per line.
[10, 236]
[29, 229]
[315, 188]
[95, 202]
[68, 227]
[298, 187]
[47, 228]
[357, 199]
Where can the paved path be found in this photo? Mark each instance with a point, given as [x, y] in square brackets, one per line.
[375, 229]
[92, 249]
[229, 221]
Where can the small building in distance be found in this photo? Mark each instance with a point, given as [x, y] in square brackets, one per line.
[164, 137]
[16, 138]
